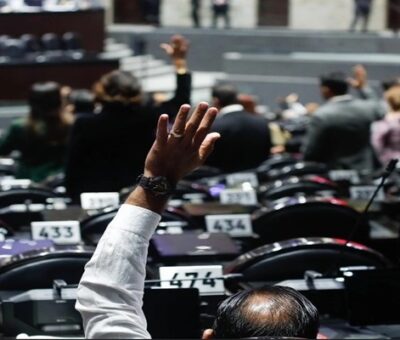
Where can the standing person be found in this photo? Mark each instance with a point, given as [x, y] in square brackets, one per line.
[339, 131]
[362, 11]
[41, 138]
[151, 11]
[385, 137]
[195, 13]
[99, 144]
[245, 138]
[220, 8]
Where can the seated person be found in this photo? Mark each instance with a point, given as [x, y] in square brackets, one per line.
[385, 135]
[111, 290]
[246, 140]
[107, 150]
[41, 138]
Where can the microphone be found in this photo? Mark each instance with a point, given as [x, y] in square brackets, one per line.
[387, 172]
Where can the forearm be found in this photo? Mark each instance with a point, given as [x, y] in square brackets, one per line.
[111, 290]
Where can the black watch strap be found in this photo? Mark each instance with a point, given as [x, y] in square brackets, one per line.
[159, 186]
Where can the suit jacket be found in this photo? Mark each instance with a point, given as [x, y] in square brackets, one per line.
[339, 134]
[107, 150]
[245, 142]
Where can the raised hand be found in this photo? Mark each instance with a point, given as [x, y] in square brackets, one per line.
[360, 77]
[186, 147]
[177, 48]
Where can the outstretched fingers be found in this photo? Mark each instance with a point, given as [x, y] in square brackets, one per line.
[162, 130]
[207, 146]
[193, 124]
[204, 127]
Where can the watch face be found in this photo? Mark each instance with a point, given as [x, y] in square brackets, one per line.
[161, 187]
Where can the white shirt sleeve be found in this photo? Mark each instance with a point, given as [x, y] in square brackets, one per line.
[110, 294]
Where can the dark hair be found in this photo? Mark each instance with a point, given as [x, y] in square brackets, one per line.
[336, 82]
[44, 98]
[268, 312]
[83, 100]
[46, 118]
[388, 84]
[227, 94]
[118, 87]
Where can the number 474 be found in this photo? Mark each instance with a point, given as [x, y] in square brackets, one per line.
[206, 281]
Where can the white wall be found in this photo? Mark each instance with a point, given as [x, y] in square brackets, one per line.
[178, 13]
[332, 14]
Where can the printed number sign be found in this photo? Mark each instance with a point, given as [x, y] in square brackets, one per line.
[237, 196]
[234, 225]
[60, 232]
[11, 183]
[365, 193]
[345, 175]
[240, 178]
[207, 279]
[99, 200]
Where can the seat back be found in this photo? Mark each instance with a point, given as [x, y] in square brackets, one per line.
[38, 270]
[312, 217]
[291, 259]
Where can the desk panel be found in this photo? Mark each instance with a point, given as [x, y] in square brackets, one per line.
[16, 79]
[89, 24]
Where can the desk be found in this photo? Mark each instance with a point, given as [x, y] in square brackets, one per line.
[88, 23]
[17, 77]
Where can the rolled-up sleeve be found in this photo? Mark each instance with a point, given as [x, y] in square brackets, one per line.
[110, 294]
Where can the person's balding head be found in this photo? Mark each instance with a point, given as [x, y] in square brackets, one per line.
[268, 312]
[224, 95]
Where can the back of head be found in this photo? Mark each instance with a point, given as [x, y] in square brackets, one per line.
[45, 100]
[118, 87]
[267, 312]
[226, 94]
[336, 83]
[82, 100]
[393, 98]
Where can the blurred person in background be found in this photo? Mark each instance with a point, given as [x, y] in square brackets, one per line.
[195, 13]
[385, 136]
[339, 130]
[362, 12]
[107, 150]
[41, 138]
[245, 138]
[220, 9]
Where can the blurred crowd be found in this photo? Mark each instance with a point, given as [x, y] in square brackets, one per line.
[85, 136]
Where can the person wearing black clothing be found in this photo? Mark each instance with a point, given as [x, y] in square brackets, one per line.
[245, 138]
[195, 13]
[107, 150]
[220, 8]
[362, 11]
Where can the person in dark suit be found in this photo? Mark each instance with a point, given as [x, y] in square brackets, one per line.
[339, 131]
[107, 150]
[195, 13]
[245, 138]
[362, 11]
[220, 8]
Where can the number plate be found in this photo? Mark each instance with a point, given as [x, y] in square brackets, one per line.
[365, 193]
[234, 225]
[11, 183]
[60, 232]
[200, 277]
[345, 175]
[240, 178]
[99, 200]
[237, 196]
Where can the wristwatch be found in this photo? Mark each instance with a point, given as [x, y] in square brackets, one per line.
[159, 186]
